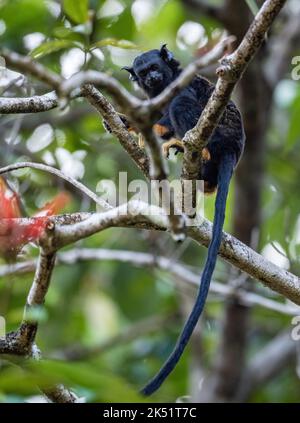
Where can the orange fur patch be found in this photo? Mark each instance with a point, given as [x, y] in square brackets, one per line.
[206, 154]
[160, 130]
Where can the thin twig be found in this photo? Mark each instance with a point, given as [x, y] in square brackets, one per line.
[134, 331]
[39, 166]
[278, 353]
[123, 98]
[27, 65]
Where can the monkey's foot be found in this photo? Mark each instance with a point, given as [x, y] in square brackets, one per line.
[173, 143]
[206, 154]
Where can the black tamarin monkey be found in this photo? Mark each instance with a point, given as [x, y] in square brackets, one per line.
[154, 71]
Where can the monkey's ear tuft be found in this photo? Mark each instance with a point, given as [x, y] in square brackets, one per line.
[168, 57]
[166, 54]
[132, 76]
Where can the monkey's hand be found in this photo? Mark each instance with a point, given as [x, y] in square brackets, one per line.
[129, 127]
[125, 121]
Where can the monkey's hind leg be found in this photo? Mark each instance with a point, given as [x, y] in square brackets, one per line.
[209, 172]
[172, 143]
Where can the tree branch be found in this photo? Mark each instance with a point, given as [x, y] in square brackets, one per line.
[178, 270]
[26, 65]
[60, 395]
[266, 364]
[35, 104]
[39, 166]
[21, 342]
[122, 97]
[109, 114]
[27, 331]
[204, 8]
[187, 75]
[137, 330]
[232, 250]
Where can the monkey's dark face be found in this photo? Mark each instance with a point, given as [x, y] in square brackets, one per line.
[154, 70]
[152, 73]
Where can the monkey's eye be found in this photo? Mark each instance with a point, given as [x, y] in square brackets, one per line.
[143, 73]
[154, 67]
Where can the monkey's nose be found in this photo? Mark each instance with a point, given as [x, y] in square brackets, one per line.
[155, 78]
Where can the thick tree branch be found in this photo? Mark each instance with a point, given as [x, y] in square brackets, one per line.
[36, 297]
[128, 214]
[35, 104]
[251, 262]
[139, 214]
[118, 129]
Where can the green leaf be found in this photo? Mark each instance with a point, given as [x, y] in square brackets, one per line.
[77, 10]
[105, 385]
[51, 46]
[114, 42]
[64, 33]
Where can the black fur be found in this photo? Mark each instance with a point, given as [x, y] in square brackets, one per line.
[153, 71]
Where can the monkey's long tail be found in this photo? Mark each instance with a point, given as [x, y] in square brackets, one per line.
[225, 172]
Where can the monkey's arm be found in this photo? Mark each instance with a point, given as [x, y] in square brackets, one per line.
[130, 128]
[125, 121]
[183, 114]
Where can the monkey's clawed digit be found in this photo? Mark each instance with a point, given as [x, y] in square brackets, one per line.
[173, 143]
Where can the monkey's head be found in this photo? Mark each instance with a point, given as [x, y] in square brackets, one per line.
[154, 70]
